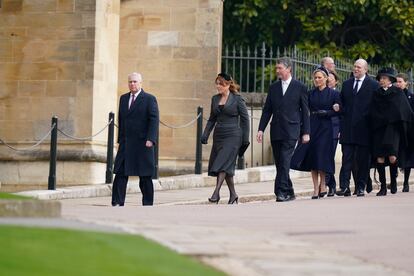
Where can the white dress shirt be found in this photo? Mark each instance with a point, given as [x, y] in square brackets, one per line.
[361, 80]
[131, 97]
[285, 84]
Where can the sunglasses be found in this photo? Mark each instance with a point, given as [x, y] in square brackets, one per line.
[225, 76]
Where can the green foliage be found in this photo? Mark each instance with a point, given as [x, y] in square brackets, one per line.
[37, 251]
[381, 31]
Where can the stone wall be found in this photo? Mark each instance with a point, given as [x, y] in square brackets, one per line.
[176, 45]
[71, 58]
[57, 58]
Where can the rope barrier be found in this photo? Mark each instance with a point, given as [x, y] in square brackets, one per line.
[182, 126]
[84, 138]
[31, 147]
[255, 118]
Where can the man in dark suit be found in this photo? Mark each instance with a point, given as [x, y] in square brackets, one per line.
[356, 96]
[138, 119]
[287, 104]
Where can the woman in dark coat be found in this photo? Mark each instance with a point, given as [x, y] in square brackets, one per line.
[402, 83]
[230, 120]
[333, 80]
[390, 118]
[319, 155]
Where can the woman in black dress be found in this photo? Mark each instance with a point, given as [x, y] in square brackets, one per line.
[390, 116]
[230, 120]
[402, 83]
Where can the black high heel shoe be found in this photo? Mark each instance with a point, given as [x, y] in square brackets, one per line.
[322, 194]
[214, 200]
[234, 200]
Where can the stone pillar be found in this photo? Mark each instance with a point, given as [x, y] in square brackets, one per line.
[176, 45]
[57, 57]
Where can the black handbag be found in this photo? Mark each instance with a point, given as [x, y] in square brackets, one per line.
[243, 149]
[298, 158]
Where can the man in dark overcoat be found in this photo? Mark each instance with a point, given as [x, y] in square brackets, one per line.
[356, 97]
[287, 104]
[138, 120]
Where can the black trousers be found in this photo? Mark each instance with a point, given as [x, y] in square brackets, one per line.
[330, 177]
[119, 189]
[355, 159]
[282, 153]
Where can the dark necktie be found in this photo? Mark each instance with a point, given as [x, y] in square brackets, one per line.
[132, 101]
[355, 90]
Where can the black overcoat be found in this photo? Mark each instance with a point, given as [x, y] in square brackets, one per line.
[390, 113]
[290, 111]
[319, 154]
[137, 125]
[354, 126]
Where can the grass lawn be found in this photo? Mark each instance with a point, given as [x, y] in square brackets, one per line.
[40, 251]
[12, 196]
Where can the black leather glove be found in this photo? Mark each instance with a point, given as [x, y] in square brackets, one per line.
[204, 140]
[322, 113]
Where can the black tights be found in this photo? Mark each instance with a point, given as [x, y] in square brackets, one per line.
[230, 183]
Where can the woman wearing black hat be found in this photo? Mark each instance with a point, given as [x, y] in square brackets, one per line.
[230, 120]
[390, 116]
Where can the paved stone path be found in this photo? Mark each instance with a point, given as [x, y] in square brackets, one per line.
[329, 236]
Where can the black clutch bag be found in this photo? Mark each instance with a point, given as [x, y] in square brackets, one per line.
[243, 148]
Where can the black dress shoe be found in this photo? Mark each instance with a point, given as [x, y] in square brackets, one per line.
[331, 192]
[406, 188]
[292, 197]
[360, 193]
[382, 191]
[344, 192]
[282, 198]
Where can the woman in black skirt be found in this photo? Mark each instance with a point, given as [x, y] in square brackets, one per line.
[402, 83]
[230, 120]
[390, 116]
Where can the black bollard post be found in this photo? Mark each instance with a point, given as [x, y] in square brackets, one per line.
[51, 184]
[156, 153]
[110, 149]
[198, 162]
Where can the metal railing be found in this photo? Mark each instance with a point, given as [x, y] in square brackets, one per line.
[53, 132]
[254, 68]
[53, 156]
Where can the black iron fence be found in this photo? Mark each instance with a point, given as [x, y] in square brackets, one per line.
[254, 68]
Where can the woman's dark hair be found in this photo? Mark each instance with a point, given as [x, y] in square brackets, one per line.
[228, 80]
[335, 75]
